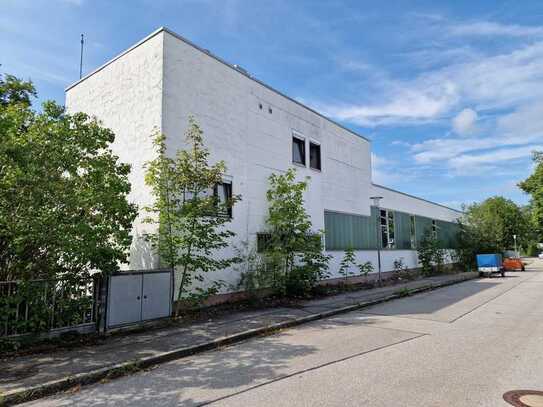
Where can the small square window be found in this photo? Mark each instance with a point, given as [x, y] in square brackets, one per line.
[315, 156]
[298, 151]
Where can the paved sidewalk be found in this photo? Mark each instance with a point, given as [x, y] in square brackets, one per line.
[29, 377]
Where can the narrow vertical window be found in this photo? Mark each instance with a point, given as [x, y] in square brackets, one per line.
[434, 229]
[391, 241]
[223, 194]
[315, 156]
[384, 229]
[298, 150]
[387, 229]
[412, 232]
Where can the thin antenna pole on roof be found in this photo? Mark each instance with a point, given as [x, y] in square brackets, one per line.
[81, 58]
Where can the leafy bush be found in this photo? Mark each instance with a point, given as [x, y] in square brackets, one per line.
[347, 263]
[294, 254]
[365, 268]
[191, 222]
[431, 255]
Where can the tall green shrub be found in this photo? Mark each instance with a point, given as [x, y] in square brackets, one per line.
[347, 263]
[191, 221]
[431, 255]
[294, 253]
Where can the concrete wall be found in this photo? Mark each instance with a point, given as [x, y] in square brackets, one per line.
[165, 79]
[126, 96]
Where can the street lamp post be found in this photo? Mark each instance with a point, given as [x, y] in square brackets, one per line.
[515, 240]
[376, 200]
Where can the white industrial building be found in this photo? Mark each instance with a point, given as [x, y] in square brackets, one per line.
[162, 80]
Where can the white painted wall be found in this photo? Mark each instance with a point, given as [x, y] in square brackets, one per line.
[165, 79]
[126, 95]
[255, 143]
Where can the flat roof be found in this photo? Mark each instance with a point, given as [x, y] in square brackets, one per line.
[206, 52]
[416, 197]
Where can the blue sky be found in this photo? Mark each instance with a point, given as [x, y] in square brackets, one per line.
[450, 93]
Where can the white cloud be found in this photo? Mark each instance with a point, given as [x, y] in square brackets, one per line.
[353, 65]
[501, 81]
[378, 161]
[381, 170]
[489, 28]
[407, 105]
[469, 162]
[521, 127]
[442, 149]
[73, 2]
[464, 122]
[490, 95]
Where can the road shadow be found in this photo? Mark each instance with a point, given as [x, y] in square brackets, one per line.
[432, 302]
[206, 377]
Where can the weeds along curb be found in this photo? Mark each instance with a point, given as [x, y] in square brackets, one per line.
[125, 368]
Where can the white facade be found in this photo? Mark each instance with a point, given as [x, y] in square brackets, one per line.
[157, 84]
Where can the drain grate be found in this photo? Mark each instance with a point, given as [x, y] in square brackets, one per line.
[524, 398]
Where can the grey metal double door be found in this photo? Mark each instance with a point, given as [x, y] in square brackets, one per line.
[139, 296]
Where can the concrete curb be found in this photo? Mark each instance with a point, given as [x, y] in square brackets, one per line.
[122, 369]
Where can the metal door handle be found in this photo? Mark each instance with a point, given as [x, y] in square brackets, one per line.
[144, 297]
[138, 297]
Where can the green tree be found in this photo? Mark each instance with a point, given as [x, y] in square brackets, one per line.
[63, 193]
[365, 268]
[348, 262]
[14, 91]
[533, 185]
[495, 221]
[294, 252]
[191, 219]
[489, 227]
[430, 254]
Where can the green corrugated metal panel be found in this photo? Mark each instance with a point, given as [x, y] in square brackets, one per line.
[402, 233]
[359, 232]
[422, 225]
[443, 234]
[372, 233]
[344, 231]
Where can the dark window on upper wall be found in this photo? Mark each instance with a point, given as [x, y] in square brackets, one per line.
[434, 229]
[315, 156]
[298, 150]
[223, 193]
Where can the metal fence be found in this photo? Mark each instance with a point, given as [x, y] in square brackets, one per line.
[40, 306]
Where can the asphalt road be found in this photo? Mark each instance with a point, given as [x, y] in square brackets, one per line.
[464, 345]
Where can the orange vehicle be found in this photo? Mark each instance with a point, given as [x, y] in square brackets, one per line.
[511, 264]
